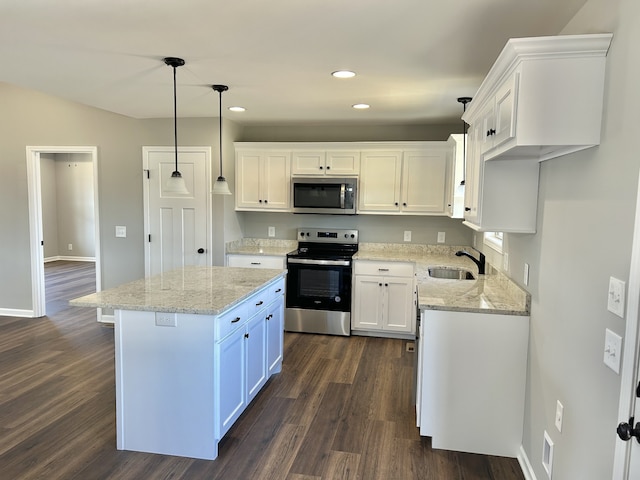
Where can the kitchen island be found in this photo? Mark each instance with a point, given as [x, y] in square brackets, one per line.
[193, 347]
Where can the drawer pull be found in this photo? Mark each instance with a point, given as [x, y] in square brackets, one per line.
[259, 303]
[235, 320]
[246, 335]
[256, 263]
[278, 290]
[383, 269]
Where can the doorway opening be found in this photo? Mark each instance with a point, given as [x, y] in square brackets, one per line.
[82, 165]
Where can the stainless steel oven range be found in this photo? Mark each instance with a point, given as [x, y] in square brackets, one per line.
[319, 281]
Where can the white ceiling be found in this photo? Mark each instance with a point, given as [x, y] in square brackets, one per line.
[413, 57]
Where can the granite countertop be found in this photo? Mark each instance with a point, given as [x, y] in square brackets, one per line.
[199, 290]
[261, 246]
[490, 293]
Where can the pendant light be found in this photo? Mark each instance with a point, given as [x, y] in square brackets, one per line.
[221, 187]
[464, 101]
[176, 183]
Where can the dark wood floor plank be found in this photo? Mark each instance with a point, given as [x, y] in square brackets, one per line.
[341, 408]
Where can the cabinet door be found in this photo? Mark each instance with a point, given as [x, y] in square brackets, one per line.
[248, 173]
[399, 310]
[474, 171]
[255, 339]
[275, 336]
[276, 181]
[367, 303]
[343, 163]
[380, 175]
[505, 111]
[230, 386]
[308, 163]
[424, 181]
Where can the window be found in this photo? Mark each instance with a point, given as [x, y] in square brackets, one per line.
[494, 240]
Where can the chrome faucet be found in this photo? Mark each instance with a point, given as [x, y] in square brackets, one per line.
[480, 263]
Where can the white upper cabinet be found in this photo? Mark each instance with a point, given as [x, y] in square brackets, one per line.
[411, 180]
[263, 180]
[325, 162]
[542, 99]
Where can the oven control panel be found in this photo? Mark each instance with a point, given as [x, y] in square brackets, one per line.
[320, 235]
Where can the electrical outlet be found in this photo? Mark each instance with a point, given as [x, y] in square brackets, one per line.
[615, 304]
[407, 235]
[272, 231]
[526, 274]
[121, 232]
[441, 237]
[164, 319]
[612, 350]
[70, 246]
[559, 414]
[505, 261]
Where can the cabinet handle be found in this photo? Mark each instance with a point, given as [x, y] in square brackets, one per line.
[328, 167]
[256, 263]
[246, 335]
[379, 284]
[259, 201]
[259, 303]
[386, 284]
[467, 209]
[236, 320]
[383, 269]
[320, 167]
[396, 204]
[278, 290]
[269, 317]
[491, 131]
[266, 201]
[404, 204]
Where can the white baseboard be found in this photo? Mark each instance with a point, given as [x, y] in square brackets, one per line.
[69, 259]
[14, 312]
[107, 319]
[525, 465]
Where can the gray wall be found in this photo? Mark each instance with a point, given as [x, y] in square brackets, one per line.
[67, 205]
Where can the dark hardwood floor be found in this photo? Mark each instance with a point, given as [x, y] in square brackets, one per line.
[340, 409]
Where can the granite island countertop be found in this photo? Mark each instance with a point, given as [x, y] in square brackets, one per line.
[199, 290]
[490, 293]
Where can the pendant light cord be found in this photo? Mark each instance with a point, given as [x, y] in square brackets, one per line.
[220, 141]
[464, 101]
[175, 117]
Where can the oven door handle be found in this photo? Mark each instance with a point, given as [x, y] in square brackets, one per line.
[309, 261]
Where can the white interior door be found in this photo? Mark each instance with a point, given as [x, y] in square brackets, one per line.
[177, 226]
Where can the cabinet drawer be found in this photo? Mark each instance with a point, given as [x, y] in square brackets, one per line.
[255, 261]
[258, 302]
[231, 320]
[393, 269]
[275, 290]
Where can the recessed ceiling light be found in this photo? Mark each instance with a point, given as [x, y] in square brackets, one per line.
[237, 109]
[344, 74]
[361, 106]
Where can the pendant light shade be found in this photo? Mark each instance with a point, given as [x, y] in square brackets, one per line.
[221, 187]
[175, 184]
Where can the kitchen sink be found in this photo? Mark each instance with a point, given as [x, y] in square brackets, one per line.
[451, 273]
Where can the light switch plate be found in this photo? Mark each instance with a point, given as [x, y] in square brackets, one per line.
[612, 350]
[615, 303]
[272, 231]
[407, 235]
[121, 232]
[441, 237]
[559, 415]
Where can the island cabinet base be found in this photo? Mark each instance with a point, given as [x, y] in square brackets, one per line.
[174, 394]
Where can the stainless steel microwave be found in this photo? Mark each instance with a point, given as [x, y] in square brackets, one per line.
[324, 195]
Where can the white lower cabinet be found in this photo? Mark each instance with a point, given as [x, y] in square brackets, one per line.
[384, 297]
[249, 353]
[471, 381]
